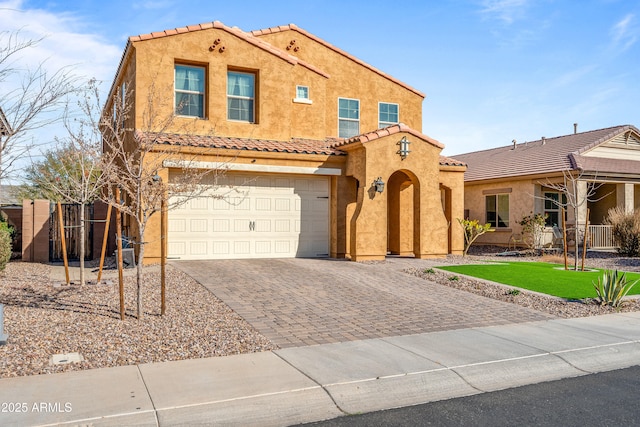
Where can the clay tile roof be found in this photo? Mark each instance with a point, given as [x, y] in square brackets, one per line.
[390, 130]
[248, 37]
[295, 145]
[550, 155]
[448, 161]
[294, 27]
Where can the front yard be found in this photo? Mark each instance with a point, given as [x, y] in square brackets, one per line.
[550, 279]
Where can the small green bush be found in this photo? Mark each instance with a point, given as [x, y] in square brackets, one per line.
[453, 278]
[612, 287]
[626, 230]
[429, 270]
[513, 292]
[5, 245]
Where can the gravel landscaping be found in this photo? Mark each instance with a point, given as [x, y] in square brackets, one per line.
[43, 320]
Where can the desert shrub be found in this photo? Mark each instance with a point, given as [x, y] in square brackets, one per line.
[5, 245]
[472, 230]
[626, 230]
[533, 229]
[612, 287]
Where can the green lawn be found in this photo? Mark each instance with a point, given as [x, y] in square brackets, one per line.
[542, 277]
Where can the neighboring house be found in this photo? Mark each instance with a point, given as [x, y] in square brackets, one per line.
[308, 131]
[502, 185]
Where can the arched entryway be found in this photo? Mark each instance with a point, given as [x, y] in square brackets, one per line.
[403, 214]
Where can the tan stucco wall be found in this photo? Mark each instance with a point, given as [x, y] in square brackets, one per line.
[277, 116]
[452, 180]
[352, 80]
[521, 203]
[371, 218]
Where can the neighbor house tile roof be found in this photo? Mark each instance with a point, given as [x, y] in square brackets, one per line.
[544, 156]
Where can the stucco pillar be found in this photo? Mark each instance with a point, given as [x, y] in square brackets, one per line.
[625, 197]
[434, 229]
[369, 226]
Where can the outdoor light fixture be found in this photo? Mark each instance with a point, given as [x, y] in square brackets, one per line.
[404, 147]
[379, 185]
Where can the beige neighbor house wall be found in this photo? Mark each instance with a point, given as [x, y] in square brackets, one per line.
[521, 203]
[358, 223]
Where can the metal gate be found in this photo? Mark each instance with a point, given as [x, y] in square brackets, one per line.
[71, 218]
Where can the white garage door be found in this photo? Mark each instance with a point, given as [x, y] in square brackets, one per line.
[248, 216]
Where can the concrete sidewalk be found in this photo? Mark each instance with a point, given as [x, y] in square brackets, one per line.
[305, 384]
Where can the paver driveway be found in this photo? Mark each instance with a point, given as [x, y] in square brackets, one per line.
[296, 302]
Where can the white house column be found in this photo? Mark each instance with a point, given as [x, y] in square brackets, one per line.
[624, 197]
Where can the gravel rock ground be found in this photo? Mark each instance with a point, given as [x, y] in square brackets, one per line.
[43, 320]
[555, 306]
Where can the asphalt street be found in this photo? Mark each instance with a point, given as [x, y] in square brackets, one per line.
[603, 399]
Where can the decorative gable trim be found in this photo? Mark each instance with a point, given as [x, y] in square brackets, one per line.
[293, 27]
[390, 130]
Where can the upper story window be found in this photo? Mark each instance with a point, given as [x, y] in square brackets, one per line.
[302, 92]
[553, 202]
[497, 210]
[241, 96]
[302, 95]
[388, 114]
[189, 87]
[348, 117]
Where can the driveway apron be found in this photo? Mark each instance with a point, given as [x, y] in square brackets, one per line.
[297, 302]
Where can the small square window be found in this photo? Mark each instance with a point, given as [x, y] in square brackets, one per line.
[302, 92]
[302, 95]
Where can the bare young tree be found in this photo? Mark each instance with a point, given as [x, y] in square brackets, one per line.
[30, 100]
[137, 157]
[72, 172]
[578, 192]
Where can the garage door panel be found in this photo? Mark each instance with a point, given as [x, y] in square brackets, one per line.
[242, 247]
[274, 216]
[198, 225]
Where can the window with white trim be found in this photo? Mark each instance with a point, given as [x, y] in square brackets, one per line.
[189, 90]
[241, 91]
[553, 202]
[348, 117]
[388, 114]
[497, 210]
[302, 92]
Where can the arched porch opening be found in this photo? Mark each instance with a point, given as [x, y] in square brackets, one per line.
[403, 214]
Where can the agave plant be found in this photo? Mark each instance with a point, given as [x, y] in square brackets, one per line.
[612, 287]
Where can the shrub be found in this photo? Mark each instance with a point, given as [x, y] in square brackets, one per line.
[626, 230]
[612, 287]
[472, 230]
[533, 229]
[5, 245]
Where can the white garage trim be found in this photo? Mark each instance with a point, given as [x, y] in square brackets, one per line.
[246, 167]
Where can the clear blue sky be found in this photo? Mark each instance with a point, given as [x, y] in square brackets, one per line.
[492, 70]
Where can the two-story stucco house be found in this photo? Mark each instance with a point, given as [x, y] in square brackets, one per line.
[325, 153]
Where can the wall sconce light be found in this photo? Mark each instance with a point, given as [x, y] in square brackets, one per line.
[379, 185]
[404, 147]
